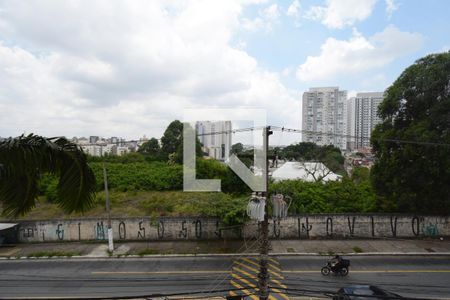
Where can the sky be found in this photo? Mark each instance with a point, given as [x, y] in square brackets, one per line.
[128, 68]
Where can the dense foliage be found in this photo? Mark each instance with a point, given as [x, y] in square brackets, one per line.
[151, 149]
[172, 143]
[329, 155]
[350, 195]
[133, 174]
[154, 176]
[415, 175]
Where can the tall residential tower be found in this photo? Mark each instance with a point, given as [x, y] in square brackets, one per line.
[362, 118]
[217, 146]
[325, 116]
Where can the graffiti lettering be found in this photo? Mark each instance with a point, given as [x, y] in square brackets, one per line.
[198, 228]
[351, 225]
[329, 226]
[415, 225]
[60, 232]
[183, 231]
[100, 231]
[394, 226]
[160, 229]
[431, 230]
[304, 227]
[141, 231]
[28, 232]
[373, 226]
[122, 231]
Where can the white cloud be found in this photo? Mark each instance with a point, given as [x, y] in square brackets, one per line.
[126, 68]
[341, 13]
[391, 6]
[294, 8]
[358, 54]
[271, 13]
[287, 72]
[294, 11]
[266, 19]
[253, 25]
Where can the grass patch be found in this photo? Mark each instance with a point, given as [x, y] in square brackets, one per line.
[357, 249]
[290, 250]
[54, 253]
[331, 252]
[154, 204]
[148, 251]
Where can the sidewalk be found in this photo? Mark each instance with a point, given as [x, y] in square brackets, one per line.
[217, 247]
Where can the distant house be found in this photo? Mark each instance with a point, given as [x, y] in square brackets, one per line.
[306, 171]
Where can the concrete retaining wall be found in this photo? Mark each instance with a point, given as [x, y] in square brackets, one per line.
[295, 227]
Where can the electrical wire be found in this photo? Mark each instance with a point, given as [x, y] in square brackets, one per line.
[223, 278]
[353, 137]
[293, 130]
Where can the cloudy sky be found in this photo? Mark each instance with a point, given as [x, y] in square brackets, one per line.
[128, 68]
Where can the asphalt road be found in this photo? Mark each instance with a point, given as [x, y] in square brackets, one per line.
[421, 276]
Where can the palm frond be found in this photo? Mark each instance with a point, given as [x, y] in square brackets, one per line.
[25, 158]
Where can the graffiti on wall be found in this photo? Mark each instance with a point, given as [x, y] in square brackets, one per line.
[141, 230]
[430, 230]
[301, 227]
[99, 230]
[60, 232]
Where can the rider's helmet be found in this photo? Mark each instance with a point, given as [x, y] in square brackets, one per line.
[336, 256]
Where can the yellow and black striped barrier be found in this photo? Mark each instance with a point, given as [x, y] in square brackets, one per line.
[244, 276]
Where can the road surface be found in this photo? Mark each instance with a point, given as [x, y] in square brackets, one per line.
[418, 276]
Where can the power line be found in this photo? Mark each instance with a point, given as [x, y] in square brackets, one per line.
[232, 131]
[330, 134]
[287, 130]
[365, 138]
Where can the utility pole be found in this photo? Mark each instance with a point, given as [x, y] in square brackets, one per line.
[263, 275]
[108, 209]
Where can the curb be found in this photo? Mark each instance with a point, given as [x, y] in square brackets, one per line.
[225, 255]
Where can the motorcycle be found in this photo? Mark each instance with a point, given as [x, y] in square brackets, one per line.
[340, 269]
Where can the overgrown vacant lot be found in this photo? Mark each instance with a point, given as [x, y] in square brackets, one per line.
[154, 203]
[140, 188]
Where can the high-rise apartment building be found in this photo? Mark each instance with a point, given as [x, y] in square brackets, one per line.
[362, 118]
[325, 116]
[93, 139]
[216, 145]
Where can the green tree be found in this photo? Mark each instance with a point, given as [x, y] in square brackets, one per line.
[150, 148]
[237, 148]
[414, 175]
[360, 174]
[329, 155]
[172, 138]
[23, 161]
[172, 143]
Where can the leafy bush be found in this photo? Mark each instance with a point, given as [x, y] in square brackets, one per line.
[336, 196]
[213, 169]
[48, 187]
[154, 176]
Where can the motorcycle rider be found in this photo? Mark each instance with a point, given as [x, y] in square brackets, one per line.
[335, 262]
